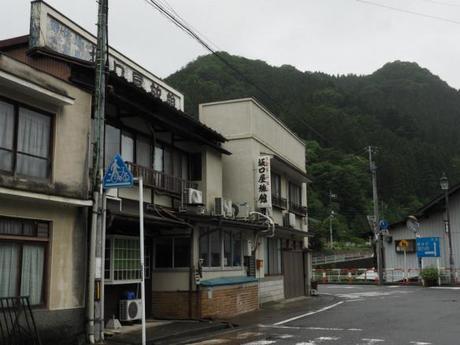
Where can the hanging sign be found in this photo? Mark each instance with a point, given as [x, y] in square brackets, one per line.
[263, 182]
[50, 30]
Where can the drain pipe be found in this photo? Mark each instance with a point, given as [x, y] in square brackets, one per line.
[92, 269]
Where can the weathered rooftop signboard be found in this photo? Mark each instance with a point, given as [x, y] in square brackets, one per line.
[52, 30]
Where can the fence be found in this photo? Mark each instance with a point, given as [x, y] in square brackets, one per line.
[17, 324]
[329, 259]
[365, 275]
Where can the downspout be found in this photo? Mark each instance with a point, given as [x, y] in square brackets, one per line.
[92, 269]
[190, 281]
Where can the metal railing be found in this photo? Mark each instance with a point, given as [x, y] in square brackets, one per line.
[297, 208]
[159, 180]
[366, 275]
[17, 323]
[329, 259]
[278, 201]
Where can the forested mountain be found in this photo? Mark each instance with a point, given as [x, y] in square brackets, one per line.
[409, 114]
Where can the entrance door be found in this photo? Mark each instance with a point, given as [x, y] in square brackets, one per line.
[294, 281]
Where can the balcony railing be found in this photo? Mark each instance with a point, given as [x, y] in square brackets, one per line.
[297, 208]
[159, 180]
[279, 202]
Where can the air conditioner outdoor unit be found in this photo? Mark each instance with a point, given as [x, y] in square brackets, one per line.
[242, 210]
[130, 309]
[289, 219]
[193, 196]
[223, 207]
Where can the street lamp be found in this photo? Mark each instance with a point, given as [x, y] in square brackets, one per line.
[444, 183]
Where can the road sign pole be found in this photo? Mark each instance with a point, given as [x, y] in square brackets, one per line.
[439, 271]
[405, 266]
[141, 244]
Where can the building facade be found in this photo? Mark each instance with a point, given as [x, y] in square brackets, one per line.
[254, 133]
[44, 145]
[432, 223]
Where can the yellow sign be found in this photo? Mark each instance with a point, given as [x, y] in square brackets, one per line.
[404, 244]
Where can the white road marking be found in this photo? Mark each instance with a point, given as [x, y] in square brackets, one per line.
[308, 314]
[211, 342]
[445, 287]
[261, 342]
[330, 329]
[420, 343]
[284, 336]
[370, 341]
[246, 335]
[327, 338]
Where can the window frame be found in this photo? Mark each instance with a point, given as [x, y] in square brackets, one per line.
[14, 151]
[172, 268]
[147, 261]
[154, 144]
[222, 267]
[45, 242]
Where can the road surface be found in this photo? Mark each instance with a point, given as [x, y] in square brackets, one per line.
[364, 315]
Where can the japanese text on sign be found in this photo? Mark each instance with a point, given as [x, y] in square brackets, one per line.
[263, 182]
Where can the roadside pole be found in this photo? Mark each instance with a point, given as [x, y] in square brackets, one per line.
[95, 327]
[141, 244]
[378, 236]
[406, 279]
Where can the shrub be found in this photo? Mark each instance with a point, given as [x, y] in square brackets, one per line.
[430, 275]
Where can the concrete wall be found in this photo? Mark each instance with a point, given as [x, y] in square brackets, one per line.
[271, 289]
[66, 278]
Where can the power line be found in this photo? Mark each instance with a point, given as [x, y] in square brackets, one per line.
[182, 24]
[397, 9]
[442, 3]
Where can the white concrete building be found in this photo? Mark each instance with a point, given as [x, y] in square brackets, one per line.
[253, 132]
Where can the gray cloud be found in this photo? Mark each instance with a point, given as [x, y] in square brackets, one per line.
[332, 36]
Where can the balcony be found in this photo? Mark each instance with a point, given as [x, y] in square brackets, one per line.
[297, 208]
[279, 202]
[160, 181]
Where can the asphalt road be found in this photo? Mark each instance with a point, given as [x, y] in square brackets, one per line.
[364, 315]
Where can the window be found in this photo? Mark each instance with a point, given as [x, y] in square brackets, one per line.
[172, 252]
[158, 158]
[112, 143]
[122, 259]
[272, 256]
[195, 167]
[294, 194]
[143, 152]
[24, 141]
[216, 245]
[232, 248]
[276, 185]
[127, 147]
[22, 262]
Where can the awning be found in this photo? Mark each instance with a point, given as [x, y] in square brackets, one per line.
[15, 83]
[281, 231]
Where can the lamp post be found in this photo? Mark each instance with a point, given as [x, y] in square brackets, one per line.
[444, 183]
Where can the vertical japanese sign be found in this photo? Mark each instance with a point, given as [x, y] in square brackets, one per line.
[263, 182]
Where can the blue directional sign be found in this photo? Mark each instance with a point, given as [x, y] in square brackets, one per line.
[384, 225]
[428, 247]
[117, 174]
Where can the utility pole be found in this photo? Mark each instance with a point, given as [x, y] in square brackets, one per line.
[331, 217]
[375, 198]
[95, 307]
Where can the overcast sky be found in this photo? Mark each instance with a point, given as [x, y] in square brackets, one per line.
[332, 36]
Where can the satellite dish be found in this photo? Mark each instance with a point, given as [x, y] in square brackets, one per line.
[412, 224]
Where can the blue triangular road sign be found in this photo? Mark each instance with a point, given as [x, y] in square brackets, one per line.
[117, 174]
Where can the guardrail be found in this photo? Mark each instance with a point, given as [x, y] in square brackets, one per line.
[365, 275]
[330, 259]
